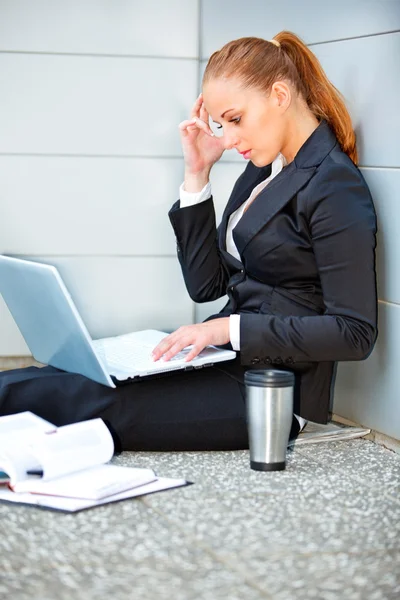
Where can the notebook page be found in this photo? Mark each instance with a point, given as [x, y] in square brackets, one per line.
[22, 425]
[15, 456]
[91, 484]
[15, 461]
[73, 448]
[76, 504]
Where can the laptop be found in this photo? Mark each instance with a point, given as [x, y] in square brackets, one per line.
[56, 334]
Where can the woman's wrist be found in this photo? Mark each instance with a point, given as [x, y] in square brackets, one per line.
[195, 182]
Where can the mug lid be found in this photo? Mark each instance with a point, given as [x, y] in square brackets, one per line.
[269, 378]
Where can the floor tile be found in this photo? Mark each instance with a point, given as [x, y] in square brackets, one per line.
[124, 550]
[332, 515]
[367, 461]
[342, 576]
[182, 577]
[222, 472]
[328, 527]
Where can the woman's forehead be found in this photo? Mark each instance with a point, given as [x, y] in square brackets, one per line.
[222, 85]
[221, 94]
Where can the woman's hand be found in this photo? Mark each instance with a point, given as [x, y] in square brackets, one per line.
[201, 149]
[215, 332]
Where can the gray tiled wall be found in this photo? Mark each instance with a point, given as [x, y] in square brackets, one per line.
[366, 71]
[91, 94]
[88, 205]
[93, 105]
[313, 20]
[108, 27]
[90, 97]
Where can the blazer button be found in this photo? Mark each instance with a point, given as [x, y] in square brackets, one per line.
[268, 360]
[255, 360]
[278, 360]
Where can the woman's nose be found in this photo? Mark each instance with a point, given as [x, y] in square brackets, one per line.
[230, 140]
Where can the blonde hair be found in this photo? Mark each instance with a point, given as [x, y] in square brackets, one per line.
[259, 63]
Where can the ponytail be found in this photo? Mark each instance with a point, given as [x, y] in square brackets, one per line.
[260, 63]
[322, 97]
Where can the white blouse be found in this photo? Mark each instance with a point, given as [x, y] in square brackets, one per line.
[235, 217]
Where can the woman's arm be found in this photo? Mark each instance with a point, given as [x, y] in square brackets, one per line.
[205, 272]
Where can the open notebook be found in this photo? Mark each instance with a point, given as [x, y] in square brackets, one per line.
[67, 468]
[56, 334]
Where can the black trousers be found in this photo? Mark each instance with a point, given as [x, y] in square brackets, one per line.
[194, 410]
[185, 410]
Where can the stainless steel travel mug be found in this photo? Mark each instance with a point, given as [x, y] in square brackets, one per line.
[269, 409]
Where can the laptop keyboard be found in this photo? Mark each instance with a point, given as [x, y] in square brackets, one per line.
[128, 356]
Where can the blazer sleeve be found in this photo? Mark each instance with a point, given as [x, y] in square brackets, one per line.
[342, 226]
[205, 272]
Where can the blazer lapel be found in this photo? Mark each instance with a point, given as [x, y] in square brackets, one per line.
[251, 177]
[278, 192]
[233, 263]
[269, 202]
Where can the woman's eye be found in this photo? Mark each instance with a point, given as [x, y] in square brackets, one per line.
[236, 121]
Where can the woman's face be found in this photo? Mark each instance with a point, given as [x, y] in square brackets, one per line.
[253, 123]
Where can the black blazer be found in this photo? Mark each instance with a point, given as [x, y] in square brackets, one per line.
[306, 286]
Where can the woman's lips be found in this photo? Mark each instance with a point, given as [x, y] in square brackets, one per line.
[246, 153]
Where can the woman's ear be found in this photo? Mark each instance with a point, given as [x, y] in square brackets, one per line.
[281, 94]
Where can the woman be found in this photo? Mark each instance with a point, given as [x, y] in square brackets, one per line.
[294, 253]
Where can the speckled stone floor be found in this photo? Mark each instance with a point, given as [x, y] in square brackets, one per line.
[326, 528]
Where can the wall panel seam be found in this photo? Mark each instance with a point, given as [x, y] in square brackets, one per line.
[355, 37]
[378, 168]
[389, 302]
[79, 256]
[73, 155]
[94, 55]
[204, 58]
[153, 157]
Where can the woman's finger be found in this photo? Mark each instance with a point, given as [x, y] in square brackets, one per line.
[188, 125]
[195, 350]
[179, 338]
[175, 349]
[203, 126]
[204, 116]
[196, 107]
[162, 347]
[191, 125]
[175, 342]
